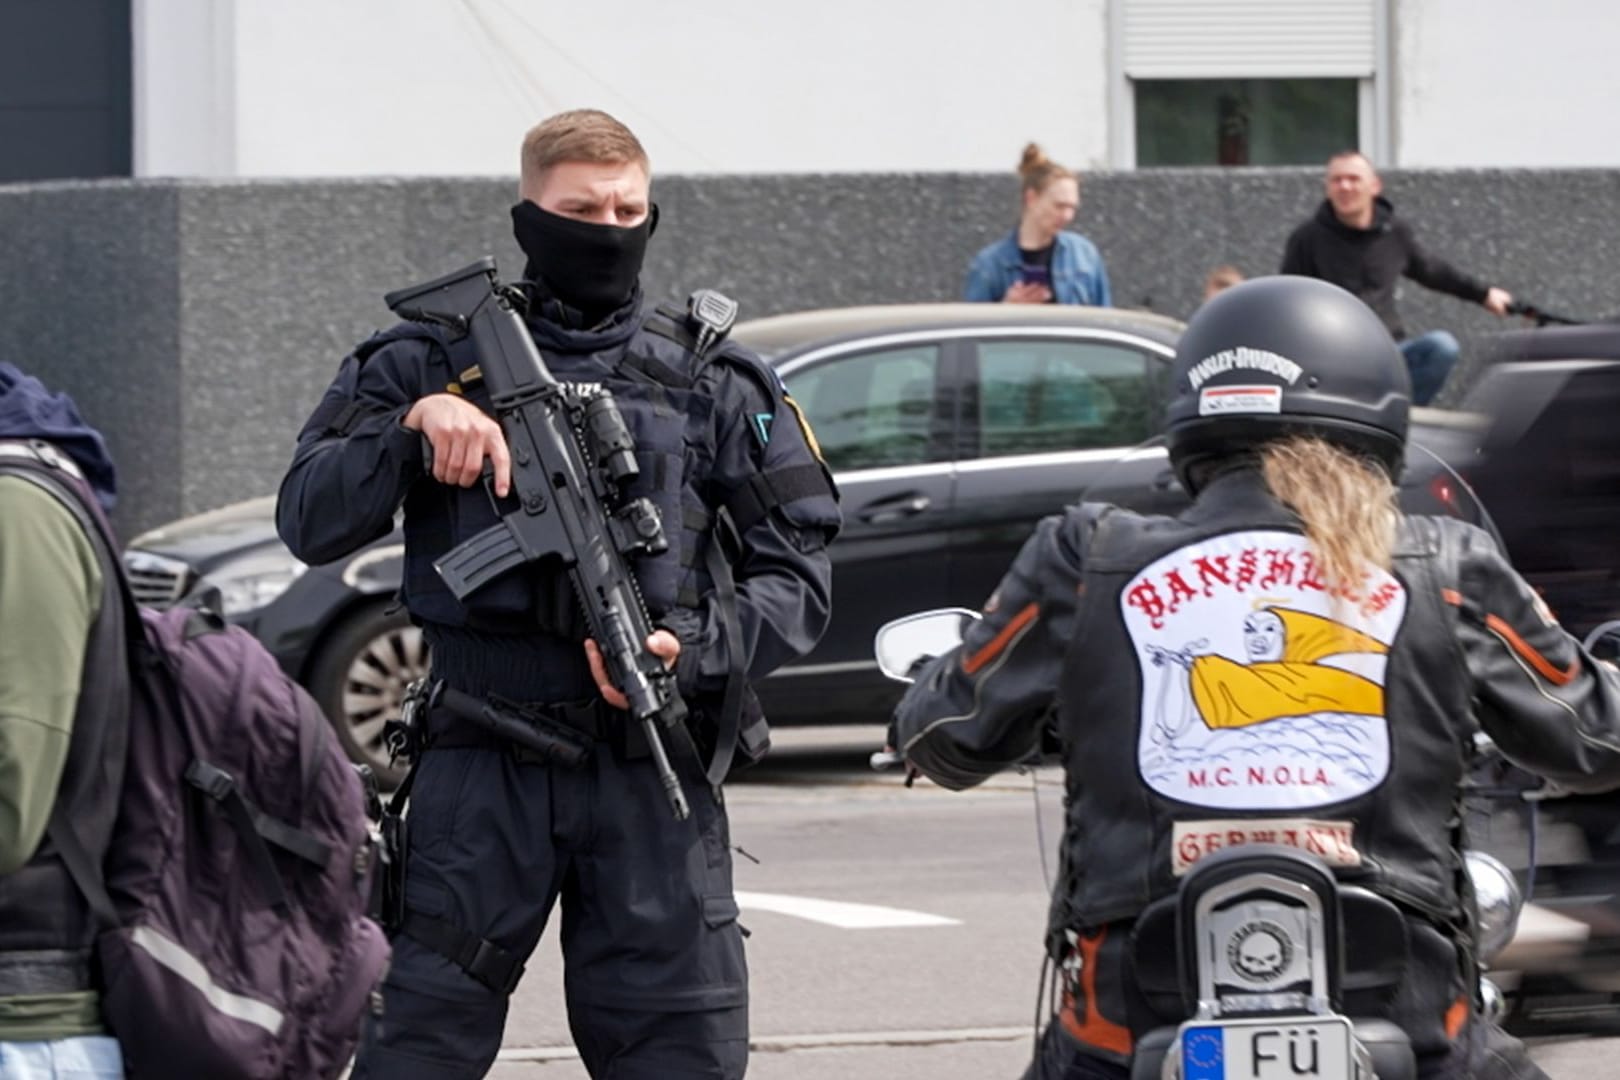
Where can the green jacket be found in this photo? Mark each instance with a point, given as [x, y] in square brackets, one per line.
[50, 595]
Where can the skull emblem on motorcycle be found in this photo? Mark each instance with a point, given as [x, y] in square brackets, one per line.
[1260, 951]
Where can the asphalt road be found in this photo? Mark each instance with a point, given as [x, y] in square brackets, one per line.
[938, 981]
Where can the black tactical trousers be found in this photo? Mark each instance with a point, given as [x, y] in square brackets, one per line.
[654, 975]
[1487, 1053]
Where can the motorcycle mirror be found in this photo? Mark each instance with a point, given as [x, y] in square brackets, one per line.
[1496, 892]
[904, 643]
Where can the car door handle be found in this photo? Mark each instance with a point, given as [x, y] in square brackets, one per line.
[888, 511]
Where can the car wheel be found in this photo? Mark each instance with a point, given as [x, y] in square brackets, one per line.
[360, 677]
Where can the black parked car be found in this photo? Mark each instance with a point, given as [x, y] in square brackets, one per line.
[1547, 464]
[952, 429]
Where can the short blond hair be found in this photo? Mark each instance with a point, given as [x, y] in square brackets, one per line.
[587, 135]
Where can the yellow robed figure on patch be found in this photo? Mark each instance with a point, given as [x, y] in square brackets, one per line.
[1284, 676]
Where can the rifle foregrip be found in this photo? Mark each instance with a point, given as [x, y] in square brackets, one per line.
[473, 563]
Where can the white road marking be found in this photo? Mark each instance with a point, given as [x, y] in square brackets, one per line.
[839, 913]
[778, 1043]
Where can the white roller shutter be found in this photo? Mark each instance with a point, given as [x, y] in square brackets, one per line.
[1249, 39]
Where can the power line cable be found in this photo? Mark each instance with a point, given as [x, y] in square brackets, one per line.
[696, 152]
[500, 58]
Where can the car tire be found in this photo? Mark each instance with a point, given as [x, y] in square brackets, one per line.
[359, 679]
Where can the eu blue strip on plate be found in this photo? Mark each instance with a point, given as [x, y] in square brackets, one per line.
[1203, 1054]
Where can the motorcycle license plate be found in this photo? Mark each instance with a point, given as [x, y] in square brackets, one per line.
[1268, 1049]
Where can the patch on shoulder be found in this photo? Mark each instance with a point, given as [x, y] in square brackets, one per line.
[804, 426]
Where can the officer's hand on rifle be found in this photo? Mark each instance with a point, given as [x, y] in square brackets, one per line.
[461, 436]
[661, 643]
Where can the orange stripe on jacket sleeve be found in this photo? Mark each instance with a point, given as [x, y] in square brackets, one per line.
[1452, 597]
[993, 647]
[1457, 1017]
[1526, 650]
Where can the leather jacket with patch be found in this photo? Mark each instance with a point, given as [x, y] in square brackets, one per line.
[1210, 690]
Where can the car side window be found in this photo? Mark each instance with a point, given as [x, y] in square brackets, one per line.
[1042, 396]
[874, 409]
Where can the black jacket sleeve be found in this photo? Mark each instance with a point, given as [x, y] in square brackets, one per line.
[981, 707]
[1434, 272]
[1548, 705]
[782, 570]
[354, 461]
[1297, 253]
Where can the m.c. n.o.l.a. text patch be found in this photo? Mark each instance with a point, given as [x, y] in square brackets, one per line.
[1262, 683]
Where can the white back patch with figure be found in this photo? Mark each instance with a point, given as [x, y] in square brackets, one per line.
[1260, 689]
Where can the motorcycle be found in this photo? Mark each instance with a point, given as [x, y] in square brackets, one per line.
[1262, 965]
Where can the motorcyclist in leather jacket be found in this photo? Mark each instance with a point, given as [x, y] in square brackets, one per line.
[1289, 660]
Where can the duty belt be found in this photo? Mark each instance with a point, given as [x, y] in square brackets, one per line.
[562, 733]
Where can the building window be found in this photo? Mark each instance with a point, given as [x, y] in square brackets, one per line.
[1244, 121]
[1247, 82]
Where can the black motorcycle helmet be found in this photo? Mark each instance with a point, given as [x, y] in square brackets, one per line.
[1285, 355]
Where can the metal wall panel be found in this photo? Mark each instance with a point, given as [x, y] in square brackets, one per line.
[1256, 39]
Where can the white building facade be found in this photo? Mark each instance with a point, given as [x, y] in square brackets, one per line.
[300, 88]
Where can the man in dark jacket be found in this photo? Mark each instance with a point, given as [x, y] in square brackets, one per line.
[63, 709]
[1356, 242]
[654, 976]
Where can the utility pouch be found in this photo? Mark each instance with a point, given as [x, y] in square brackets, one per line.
[754, 732]
[395, 847]
[406, 738]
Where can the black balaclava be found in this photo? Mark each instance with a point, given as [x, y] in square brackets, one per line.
[592, 268]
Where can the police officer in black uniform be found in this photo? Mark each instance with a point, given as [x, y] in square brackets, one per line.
[496, 832]
[1289, 647]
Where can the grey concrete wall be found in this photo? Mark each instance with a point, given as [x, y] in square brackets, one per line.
[197, 323]
[90, 287]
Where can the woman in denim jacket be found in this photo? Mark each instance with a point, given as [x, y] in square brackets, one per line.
[1038, 262]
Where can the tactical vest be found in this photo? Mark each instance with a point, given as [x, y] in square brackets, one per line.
[1399, 829]
[46, 930]
[655, 378]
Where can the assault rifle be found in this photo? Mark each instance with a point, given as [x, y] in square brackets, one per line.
[571, 455]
